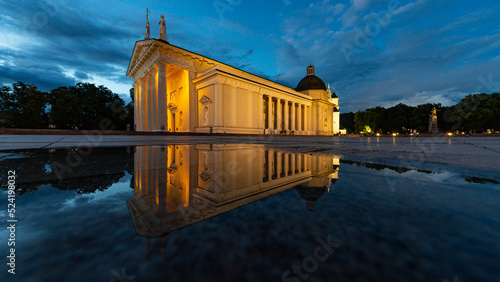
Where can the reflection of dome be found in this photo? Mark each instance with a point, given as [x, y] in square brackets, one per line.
[310, 194]
[311, 81]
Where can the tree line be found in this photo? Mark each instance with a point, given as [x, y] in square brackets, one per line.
[82, 106]
[476, 112]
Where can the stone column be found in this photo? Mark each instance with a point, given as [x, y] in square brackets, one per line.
[144, 104]
[250, 109]
[150, 101]
[134, 126]
[260, 111]
[278, 114]
[139, 105]
[299, 119]
[269, 114]
[193, 121]
[294, 120]
[154, 71]
[162, 98]
[233, 106]
[306, 112]
[287, 118]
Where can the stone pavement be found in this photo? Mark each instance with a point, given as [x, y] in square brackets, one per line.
[479, 153]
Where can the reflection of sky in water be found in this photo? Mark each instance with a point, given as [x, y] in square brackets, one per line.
[432, 226]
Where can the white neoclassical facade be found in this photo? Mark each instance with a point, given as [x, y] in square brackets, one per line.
[180, 91]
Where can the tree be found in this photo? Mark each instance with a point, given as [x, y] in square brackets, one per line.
[65, 109]
[359, 121]
[347, 122]
[89, 107]
[25, 105]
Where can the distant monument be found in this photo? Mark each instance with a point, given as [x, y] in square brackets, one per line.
[147, 25]
[163, 29]
[433, 121]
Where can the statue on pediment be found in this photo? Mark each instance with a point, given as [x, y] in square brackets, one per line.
[163, 29]
[146, 36]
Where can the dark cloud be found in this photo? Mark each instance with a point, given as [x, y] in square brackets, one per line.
[428, 50]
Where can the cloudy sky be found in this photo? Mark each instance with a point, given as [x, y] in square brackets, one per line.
[375, 53]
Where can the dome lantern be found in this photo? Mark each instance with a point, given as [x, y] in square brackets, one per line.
[311, 81]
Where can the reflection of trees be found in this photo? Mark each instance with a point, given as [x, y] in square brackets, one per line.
[397, 169]
[98, 169]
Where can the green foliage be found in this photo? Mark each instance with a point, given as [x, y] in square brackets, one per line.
[476, 112]
[347, 122]
[25, 105]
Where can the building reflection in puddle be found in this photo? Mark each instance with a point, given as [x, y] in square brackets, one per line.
[179, 185]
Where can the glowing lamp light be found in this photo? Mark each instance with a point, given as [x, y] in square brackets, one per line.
[450, 134]
[378, 134]
[394, 134]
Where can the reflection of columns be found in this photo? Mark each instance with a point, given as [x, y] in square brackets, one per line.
[150, 101]
[286, 109]
[144, 176]
[149, 173]
[292, 165]
[270, 160]
[299, 120]
[144, 105]
[154, 172]
[299, 162]
[154, 91]
[279, 164]
[162, 97]
[286, 161]
[136, 171]
[278, 114]
[162, 180]
[306, 162]
[261, 160]
[293, 116]
[269, 114]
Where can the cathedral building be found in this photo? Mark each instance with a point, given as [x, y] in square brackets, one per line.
[177, 90]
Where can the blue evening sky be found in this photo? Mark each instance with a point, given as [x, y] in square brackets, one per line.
[375, 53]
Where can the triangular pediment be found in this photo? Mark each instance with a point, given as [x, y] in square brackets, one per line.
[140, 49]
[205, 100]
[171, 106]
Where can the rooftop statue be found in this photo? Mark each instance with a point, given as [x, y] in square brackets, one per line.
[163, 29]
[146, 36]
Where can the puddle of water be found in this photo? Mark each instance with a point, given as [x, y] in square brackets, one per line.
[245, 212]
